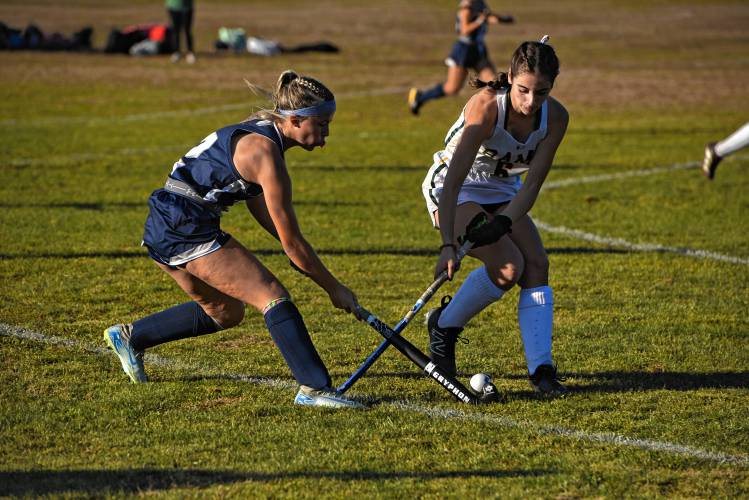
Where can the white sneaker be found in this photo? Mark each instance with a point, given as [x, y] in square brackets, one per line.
[190, 58]
[175, 57]
[327, 396]
[118, 339]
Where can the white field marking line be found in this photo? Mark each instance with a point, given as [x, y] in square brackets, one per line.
[433, 412]
[588, 179]
[622, 243]
[70, 120]
[620, 175]
[640, 247]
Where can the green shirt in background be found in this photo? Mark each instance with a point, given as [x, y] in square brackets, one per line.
[180, 5]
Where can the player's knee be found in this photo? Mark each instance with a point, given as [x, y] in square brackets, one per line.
[228, 314]
[506, 275]
[451, 90]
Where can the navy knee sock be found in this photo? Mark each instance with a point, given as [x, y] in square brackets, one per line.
[179, 322]
[432, 93]
[290, 335]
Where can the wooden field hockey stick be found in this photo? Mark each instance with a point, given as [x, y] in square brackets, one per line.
[425, 297]
[448, 382]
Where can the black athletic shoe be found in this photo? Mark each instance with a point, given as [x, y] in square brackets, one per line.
[545, 381]
[442, 340]
[711, 160]
[414, 100]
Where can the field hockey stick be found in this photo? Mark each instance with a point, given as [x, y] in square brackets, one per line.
[475, 223]
[425, 297]
[448, 382]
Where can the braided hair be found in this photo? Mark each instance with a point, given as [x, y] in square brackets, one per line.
[529, 57]
[293, 91]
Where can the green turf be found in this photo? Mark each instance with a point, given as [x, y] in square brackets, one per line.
[653, 344]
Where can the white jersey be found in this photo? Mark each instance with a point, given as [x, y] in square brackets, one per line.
[494, 176]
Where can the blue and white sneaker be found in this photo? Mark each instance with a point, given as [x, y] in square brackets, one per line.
[118, 338]
[327, 396]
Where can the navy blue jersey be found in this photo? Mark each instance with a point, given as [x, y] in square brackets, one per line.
[185, 216]
[476, 36]
[209, 169]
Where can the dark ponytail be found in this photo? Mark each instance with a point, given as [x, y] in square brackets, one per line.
[499, 83]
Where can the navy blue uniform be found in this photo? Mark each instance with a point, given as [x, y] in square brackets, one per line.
[184, 219]
[469, 51]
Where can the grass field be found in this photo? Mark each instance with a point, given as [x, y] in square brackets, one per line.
[654, 340]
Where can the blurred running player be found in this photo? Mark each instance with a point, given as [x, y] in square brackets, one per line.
[716, 151]
[510, 127]
[243, 162]
[468, 52]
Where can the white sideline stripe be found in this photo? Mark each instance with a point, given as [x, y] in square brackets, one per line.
[620, 175]
[433, 412]
[588, 179]
[640, 247]
[70, 120]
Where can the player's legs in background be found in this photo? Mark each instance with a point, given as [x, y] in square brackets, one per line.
[736, 141]
[487, 72]
[176, 18]
[715, 152]
[456, 76]
[187, 17]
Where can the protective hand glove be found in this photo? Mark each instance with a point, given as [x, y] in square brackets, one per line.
[485, 232]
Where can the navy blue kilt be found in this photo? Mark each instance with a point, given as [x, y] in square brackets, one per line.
[467, 55]
[178, 229]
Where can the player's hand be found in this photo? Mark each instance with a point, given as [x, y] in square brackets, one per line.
[448, 260]
[343, 298]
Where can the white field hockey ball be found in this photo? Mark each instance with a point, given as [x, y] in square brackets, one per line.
[479, 381]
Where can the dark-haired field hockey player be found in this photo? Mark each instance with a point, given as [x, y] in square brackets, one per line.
[510, 127]
[243, 162]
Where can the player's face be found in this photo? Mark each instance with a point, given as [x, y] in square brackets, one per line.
[528, 93]
[314, 130]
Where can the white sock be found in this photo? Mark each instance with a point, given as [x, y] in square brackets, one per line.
[476, 292]
[536, 316]
[734, 142]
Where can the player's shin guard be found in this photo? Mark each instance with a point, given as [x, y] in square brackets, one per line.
[290, 335]
[178, 322]
[476, 293]
[536, 316]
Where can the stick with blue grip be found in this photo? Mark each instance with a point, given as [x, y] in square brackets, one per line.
[448, 382]
[479, 221]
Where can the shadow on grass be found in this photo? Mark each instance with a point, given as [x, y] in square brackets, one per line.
[95, 206]
[402, 252]
[94, 482]
[101, 206]
[620, 381]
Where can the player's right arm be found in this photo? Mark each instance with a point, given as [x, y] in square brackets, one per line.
[258, 160]
[480, 119]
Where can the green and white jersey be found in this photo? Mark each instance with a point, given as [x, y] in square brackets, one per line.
[494, 176]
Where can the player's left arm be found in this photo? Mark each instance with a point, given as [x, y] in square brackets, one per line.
[541, 162]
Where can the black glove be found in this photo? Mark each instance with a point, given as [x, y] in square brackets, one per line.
[485, 232]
